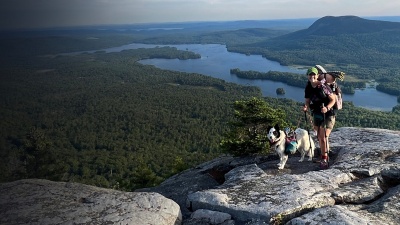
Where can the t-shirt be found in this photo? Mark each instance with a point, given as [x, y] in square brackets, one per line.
[317, 95]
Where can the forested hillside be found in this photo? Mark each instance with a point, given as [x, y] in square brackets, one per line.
[104, 119]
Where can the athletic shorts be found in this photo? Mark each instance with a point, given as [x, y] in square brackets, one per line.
[319, 120]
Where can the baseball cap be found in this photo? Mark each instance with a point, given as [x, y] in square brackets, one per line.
[312, 70]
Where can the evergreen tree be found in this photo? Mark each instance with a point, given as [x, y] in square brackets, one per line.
[248, 131]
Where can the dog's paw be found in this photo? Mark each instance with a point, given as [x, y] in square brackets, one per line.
[301, 160]
[310, 159]
[280, 167]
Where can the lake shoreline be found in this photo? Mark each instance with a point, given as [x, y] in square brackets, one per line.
[216, 61]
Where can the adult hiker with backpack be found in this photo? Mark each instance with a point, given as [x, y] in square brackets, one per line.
[320, 99]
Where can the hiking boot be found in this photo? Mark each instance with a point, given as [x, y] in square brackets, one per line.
[323, 165]
[316, 160]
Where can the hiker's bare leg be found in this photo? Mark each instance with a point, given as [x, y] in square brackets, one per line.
[328, 132]
[322, 141]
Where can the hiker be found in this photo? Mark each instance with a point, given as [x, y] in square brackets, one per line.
[320, 99]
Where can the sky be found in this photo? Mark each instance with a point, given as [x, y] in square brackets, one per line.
[17, 14]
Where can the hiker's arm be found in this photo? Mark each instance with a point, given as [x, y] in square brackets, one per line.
[330, 104]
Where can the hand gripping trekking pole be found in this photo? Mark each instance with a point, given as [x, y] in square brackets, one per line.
[326, 138]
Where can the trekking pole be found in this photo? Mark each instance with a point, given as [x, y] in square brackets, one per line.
[326, 138]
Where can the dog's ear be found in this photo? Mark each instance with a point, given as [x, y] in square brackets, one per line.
[269, 128]
[278, 131]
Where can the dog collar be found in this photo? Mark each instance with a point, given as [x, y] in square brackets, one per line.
[273, 143]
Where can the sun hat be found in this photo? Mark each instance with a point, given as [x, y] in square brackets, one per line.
[312, 70]
[320, 69]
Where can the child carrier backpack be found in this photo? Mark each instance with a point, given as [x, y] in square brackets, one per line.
[334, 87]
[338, 95]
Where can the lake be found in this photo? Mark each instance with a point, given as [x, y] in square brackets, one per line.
[216, 62]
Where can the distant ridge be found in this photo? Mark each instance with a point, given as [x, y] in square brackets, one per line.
[333, 27]
[330, 25]
[343, 41]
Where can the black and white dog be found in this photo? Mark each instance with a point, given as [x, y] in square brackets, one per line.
[277, 140]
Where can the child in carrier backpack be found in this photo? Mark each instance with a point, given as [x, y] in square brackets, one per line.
[320, 99]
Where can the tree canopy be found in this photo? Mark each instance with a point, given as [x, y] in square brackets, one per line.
[248, 131]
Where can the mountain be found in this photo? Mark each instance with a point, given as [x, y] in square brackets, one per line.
[341, 25]
[330, 25]
[367, 49]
